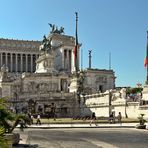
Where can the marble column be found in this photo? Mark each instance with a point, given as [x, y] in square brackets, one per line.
[62, 61]
[26, 63]
[31, 63]
[16, 62]
[11, 62]
[21, 62]
[0, 59]
[67, 60]
[6, 59]
[70, 60]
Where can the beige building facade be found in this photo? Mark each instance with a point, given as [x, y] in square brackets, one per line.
[99, 80]
[19, 55]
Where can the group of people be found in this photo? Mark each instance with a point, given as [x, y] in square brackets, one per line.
[38, 119]
[31, 117]
[93, 119]
[111, 118]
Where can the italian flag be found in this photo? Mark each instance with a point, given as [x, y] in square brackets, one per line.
[146, 61]
[75, 55]
[146, 58]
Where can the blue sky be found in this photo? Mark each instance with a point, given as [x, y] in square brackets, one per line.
[116, 26]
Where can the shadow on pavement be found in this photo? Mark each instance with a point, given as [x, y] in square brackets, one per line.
[26, 146]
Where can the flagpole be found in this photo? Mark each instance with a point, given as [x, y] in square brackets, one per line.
[109, 60]
[81, 58]
[76, 46]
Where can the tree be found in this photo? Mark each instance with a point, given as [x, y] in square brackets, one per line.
[134, 90]
[81, 88]
[3, 142]
[8, 119]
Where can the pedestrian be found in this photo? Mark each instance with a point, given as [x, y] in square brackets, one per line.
[119, 117]
[31, 118]
[38, 121]
[93, 119]
[21, 125]
[111, 118]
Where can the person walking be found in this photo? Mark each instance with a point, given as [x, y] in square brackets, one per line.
[93, 119]
[38, 121]
[21, 122]
[119, 117]
[31, 118]
[111, 118]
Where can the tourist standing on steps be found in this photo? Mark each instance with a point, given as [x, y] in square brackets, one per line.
[93, 119]
[38, 121]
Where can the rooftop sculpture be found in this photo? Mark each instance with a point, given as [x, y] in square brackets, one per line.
[46, 44]
[54, 29]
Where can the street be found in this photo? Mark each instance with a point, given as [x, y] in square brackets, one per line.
[85, 138]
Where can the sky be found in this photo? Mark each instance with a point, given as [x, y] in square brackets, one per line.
[104, 26]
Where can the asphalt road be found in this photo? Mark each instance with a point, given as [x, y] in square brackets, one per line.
[86, 138]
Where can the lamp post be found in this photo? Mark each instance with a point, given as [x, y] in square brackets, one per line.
[126, 116]
[53, 108]
[110, 102]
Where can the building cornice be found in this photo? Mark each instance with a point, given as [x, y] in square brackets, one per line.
[23, 45]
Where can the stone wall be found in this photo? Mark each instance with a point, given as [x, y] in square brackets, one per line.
[100, 105]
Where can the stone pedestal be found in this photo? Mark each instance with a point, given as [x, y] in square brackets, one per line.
[145, 93]
[45, 64]
[73, 85]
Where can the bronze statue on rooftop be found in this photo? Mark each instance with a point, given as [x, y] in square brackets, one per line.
[54, 29]
[46, 44]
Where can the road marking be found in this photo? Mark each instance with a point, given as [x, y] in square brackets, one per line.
[100, 143]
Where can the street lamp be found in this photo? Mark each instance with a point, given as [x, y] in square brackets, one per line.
[110, 102]
[53, 108]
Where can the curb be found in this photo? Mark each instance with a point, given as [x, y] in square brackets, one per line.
[85, 127]
[50, 126]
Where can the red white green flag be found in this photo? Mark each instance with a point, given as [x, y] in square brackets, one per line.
[75, 55]
[145, 61]
[146, 58]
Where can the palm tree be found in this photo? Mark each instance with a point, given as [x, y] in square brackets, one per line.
[3, 142]
[8, 119]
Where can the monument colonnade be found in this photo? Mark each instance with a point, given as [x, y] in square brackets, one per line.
[19, 62]
[66, 56]
[68, 59]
